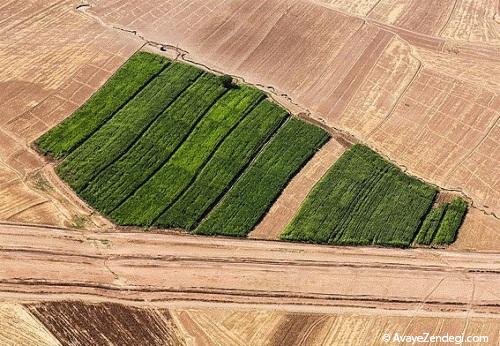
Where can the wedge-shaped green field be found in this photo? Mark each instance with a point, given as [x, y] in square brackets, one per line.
[119, 180]
[224, 167]
[362, 200]
[138, 71]
[159, 192]
[126, 126]
[255, 191]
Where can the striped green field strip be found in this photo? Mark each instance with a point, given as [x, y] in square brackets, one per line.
[151, 199]
[139, 70]
[122, 130]
[252, 195]
[234, 154]
[450, 223]
[119, 180]
[430, 225]
[362, 200]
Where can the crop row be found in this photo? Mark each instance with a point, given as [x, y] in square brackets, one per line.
[163, 188]
[125, 127]
[234, 154]
[430, 225]
[119, 180]
[244, 205]
[362, 199]
[450, 223]
[138, 71]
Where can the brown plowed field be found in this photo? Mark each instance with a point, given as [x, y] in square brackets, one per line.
[76, 323]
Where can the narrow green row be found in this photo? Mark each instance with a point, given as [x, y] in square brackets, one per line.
[159, 192]
[430, 225]
[119, 180]
[139, 70]
[450, 223]
[248, 200]
[362, 200]
[229, 160]
[121, 131]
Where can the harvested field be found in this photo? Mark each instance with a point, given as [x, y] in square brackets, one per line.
[19, 327]
[230, 327]
[46, 75]
[77, 323]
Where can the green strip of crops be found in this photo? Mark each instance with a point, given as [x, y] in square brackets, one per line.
[162, 138]
[253, 194]
[362, 200]
[123, 85]
[114, 137]
[430, 225]
[450, 223]
[151, 199]
[229, 160]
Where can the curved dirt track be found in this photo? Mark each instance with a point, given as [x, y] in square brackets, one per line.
[57, 264]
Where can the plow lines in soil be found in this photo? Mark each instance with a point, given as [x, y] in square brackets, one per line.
[166, 144]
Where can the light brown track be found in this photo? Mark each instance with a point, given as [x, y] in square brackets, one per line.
[42, 264]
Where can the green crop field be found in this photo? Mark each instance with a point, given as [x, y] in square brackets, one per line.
[365, 200]
[165, 144]
[226, 165]
[259, 186]
[129, 80]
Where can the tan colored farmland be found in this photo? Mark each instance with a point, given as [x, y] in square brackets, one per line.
[419, 80]
[19, 327]
[46, 75]
[226, 327]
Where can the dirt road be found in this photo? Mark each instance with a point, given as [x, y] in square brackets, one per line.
[57, 264]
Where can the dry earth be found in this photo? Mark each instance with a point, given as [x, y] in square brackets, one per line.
[56, 264]
[200, 293]
[421, 89]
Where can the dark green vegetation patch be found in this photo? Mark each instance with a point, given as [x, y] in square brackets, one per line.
[165, 144]
[365, 200]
